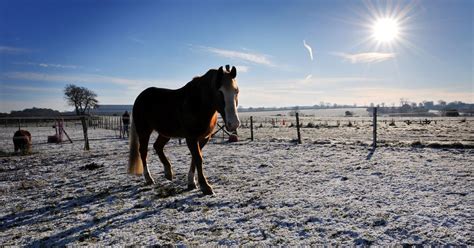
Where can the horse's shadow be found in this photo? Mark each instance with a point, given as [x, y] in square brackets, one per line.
[94, 227]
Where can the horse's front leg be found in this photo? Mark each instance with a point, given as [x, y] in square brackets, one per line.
[195, 150]
[191, 181]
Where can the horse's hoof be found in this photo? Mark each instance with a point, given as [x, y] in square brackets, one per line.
[207, 190]
[150, 182]
[169, 176]
[192, 186]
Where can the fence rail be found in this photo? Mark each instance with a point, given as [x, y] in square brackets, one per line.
[105, 122]
[382, 130]
[297, 129]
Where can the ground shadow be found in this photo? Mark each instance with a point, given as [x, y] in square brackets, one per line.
[371, 153]
[94, 228]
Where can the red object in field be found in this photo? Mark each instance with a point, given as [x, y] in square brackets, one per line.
[53, 139]
[233, 138]
[58, 136]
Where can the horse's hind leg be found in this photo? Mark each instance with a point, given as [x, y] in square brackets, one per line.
[144, 138]
[159, 145]
[191, 182]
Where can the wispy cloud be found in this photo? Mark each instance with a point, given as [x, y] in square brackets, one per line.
[370, 57]
[299, 91]
[89, 78]
[310, 50]
[48, 65]
[310, 80]
[300, 94]
[242, 68]
[29, 88]
[9, 49]
[137, 40]
[123, 90]
[256, 58]
[25, 101]
[393, 94]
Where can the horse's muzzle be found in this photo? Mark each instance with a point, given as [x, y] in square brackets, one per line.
[232, 126]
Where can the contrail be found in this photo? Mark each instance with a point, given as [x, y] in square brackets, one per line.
[309, 49]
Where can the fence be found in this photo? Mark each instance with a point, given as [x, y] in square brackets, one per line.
[41, 128]
[357, 130]
[277, 128]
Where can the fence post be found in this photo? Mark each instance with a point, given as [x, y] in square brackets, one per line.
[298, 127]
[251, 128]
[121, 131]
[374, 122]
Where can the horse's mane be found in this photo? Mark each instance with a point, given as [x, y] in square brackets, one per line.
[207, 78]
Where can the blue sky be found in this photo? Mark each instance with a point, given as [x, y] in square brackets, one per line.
[118, 48]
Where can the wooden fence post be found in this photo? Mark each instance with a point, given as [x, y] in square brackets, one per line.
[374, 122]
[298, 127]
[251, 128]
[121, 131]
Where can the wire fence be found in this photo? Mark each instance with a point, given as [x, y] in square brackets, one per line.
[262, 128]
[390, 130]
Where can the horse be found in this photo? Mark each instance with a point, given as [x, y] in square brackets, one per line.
[189, 112]
[22, 141]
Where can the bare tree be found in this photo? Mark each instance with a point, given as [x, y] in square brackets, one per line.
[403, 102]
[442, 103]
[83, 100]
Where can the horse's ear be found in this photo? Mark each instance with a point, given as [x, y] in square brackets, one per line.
[220, 74]
[233, 72]
[227, 68]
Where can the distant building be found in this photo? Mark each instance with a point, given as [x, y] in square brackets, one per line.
[111, 109]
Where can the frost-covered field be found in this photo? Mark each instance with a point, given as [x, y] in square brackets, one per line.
[353, 130]
[270, 191]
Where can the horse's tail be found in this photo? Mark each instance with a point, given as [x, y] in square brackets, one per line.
[135, 165]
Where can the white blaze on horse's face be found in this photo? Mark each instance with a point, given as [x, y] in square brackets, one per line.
[230, 91]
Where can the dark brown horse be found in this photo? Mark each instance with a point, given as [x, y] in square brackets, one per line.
[189, 112]
[22, 141]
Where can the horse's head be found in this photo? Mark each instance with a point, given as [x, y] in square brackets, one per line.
[227, 97]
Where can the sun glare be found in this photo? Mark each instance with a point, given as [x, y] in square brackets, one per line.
[385, 30]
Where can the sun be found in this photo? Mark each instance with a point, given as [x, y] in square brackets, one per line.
[385, 30]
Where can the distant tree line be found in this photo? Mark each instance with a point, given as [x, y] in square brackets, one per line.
[323, 105]
[428, 105]
[31, 112]
[404, 103]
